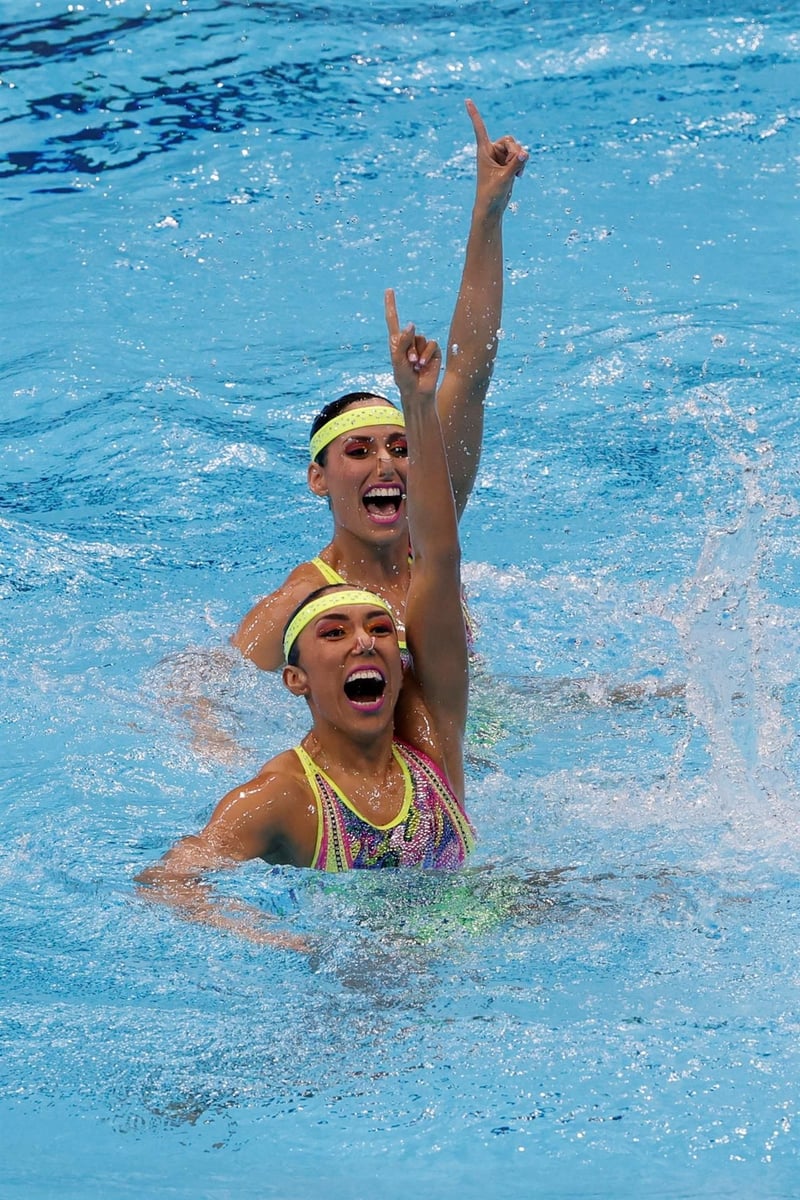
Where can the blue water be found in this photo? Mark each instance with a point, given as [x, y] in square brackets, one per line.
[202, 205]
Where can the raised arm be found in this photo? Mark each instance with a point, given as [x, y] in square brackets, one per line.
[434, 620]
[472, 341]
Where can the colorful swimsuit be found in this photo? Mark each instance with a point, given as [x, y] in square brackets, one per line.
[429, 831]
[331, 576]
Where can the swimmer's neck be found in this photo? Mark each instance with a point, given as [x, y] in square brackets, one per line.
[366, 563]
[345, 755]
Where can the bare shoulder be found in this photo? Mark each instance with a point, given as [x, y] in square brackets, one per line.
[270, 816]
[281, 780]
[260, 633]
[283, 772]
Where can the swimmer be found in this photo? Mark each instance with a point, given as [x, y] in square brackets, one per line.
[379, 779]
[358, 447]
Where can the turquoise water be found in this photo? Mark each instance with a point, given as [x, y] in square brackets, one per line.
[202, 205]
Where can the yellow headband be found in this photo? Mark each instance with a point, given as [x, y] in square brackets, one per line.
[327, 603]
[355, 418]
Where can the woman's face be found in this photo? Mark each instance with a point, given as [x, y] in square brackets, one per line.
[364, 477]
[349, 668]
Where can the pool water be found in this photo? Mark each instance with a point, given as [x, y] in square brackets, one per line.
[202, 204]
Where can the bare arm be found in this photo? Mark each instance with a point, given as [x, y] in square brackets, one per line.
[261, 819]
[182, 886]
[472, 341]
[434, 621]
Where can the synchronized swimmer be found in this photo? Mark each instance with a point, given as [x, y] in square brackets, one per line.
[378, 781]
[358, 444]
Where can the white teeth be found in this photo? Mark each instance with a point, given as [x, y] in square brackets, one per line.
[390, 493]
[365, 673]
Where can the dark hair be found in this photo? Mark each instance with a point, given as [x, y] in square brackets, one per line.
[334, 407]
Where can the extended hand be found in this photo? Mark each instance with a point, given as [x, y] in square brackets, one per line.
[499, 163]
[415, 360]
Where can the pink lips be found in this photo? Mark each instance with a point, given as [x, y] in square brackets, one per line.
[383, 503]
[365, 688]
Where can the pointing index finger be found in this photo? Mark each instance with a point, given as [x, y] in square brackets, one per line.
[390, 308]
[481, 134]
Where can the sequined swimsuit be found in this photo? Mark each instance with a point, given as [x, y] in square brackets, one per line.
[430, 830]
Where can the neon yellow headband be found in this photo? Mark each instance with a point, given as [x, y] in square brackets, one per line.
[355, 418]
[327, 603]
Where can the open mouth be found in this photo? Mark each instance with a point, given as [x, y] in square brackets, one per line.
[365, 687]
[383, 503]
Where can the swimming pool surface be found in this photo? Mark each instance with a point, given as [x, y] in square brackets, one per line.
[202, 204]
